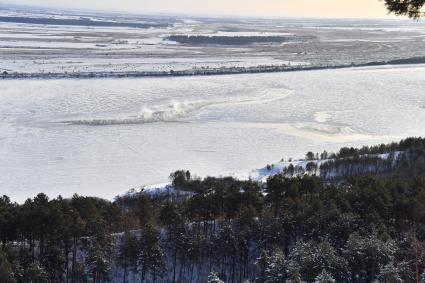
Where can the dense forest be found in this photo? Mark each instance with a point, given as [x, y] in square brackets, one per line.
[228, 40]
[78, 22]
[363, 226]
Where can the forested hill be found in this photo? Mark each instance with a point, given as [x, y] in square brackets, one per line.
[353, 216]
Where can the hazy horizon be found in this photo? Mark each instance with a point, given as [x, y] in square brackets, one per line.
[258, 8]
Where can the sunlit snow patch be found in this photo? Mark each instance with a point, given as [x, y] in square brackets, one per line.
[321, 117]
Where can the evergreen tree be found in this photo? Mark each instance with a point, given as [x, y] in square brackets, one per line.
[79, 273]
[151, 257]
[180, 179]
[309, 156]
[422, 278]
[358, 229]
[6, 271]
[262, 264]
[7, 215]
[36, 273]
[294, 275]
[128, 254]
[366, 255]
[144, 210]
[98, 248]
[53, 261]
[277, 188]
[276, 270]
[411, 8]
[325, 277]
[312, 258]
[213, 278]
[390, 273]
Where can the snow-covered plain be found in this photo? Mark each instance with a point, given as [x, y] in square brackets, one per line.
[31, 48]
[102, 137]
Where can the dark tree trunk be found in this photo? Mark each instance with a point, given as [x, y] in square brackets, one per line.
[66, 261]
[142, 279]
[125, 269]
[174, 265]
[74, 259]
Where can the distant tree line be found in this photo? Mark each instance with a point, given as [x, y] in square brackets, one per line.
[405, 157]
[408, 144]
[78, 22]
[227, 40]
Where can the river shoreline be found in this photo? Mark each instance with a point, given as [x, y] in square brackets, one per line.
[207, 71]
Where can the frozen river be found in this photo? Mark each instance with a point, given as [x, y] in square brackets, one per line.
[102, 137]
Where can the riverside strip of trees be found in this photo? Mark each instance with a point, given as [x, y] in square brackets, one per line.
[365, 227]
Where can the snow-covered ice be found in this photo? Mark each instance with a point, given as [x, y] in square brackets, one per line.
[215, 125]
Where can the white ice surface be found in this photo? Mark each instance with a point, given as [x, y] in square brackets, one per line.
[210, 125]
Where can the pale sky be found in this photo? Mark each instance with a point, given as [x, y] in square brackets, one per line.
[292, 8]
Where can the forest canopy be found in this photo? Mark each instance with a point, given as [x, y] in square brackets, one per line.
[367, 226]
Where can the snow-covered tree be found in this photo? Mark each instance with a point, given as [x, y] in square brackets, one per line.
[422, 278]
[311, 258]
[324, 277]
[366, 254]
[262, 264]
[390, 273]
[276, 268]
[213, 278]
[294, 275]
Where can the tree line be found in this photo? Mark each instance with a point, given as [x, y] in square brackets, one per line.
[366, 228]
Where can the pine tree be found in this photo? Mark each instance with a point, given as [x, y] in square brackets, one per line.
[276, 270]
[7, 210]
[151, 257]
[6, 271]
[390, 273]
[194, 251]
[294, 275]
[79, 273]
[422, 278]
[175, 242]
[262, 264]
[309, 156]
[213, 278]
[53, 261]
[180, 179]
[277, 187]
[98, 248]
[366, 254]
[312, 257]
[325, 277]
[36, 273]
[144, 210]
[128, 254]
[411, 8]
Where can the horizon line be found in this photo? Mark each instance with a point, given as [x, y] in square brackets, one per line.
[191, 15]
